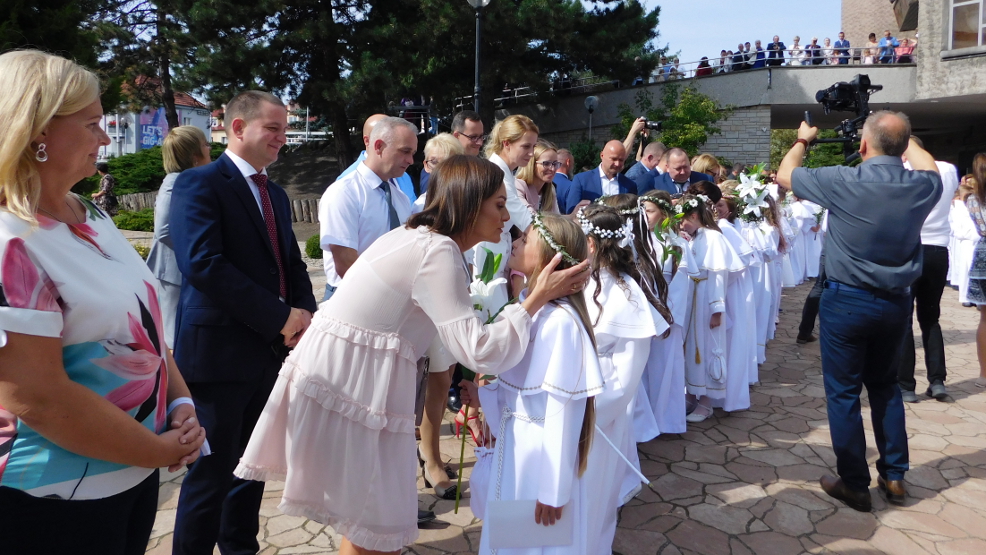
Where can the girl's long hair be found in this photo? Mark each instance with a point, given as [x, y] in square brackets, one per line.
[731, 203]
[648, 274]
[704, 210]
[773, 217]
[979, 172]
[570, 237]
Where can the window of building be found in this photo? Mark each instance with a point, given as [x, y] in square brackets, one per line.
[186, 121]
[967, 24]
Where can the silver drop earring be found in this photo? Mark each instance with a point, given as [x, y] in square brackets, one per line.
[41, 155]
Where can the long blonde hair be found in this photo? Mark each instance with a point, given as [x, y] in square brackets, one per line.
[35, 88]
[571, 237]
[509, 130]
[529, 173]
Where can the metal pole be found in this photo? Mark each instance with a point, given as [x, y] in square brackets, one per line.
[479, 26]
[307, 134]
[590, 127]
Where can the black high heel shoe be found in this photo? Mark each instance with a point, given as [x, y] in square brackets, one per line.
[452, 475]
[443, 493]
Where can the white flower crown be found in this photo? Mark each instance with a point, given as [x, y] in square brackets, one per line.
[624, 233]
[538, 223]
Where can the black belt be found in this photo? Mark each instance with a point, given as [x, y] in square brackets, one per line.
[881, 293]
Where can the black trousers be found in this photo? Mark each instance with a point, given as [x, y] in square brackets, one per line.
[927, 291]
[116, 525]
[810, 311]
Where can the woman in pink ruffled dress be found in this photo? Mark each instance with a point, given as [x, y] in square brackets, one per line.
[339, 426]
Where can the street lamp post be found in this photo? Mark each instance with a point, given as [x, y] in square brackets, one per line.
[591, 102]
[478, 5]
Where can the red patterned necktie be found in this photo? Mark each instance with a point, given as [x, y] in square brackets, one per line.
[268, 210]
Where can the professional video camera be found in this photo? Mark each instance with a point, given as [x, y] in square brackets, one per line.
[853, 96]
[653, 125]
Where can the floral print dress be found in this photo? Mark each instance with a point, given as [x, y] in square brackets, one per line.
[86, 285]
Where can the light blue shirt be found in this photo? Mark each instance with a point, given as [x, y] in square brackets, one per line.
[403, 182]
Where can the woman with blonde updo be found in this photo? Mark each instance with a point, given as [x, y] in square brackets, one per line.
[437, 148]
[707, 164]
[91, 402]
[183, 148]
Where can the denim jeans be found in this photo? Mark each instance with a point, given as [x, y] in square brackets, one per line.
[927, 296]
[862, 333]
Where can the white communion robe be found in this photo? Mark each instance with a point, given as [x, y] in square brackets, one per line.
[789, 260]
[798, 219]
[754, 235]
[535, 410]
[813, 239]
[624, 329]
[772, 279]
[660, 405]
[705, 347]
[741, 331]
[966, 236]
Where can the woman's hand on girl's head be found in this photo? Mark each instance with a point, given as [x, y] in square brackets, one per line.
[546, 514]
[555, 284]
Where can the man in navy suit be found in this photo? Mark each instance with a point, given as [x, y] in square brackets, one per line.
[775, 52]
[562, 179]
[645, 172]
[245, 300]
[603, 180]
[841, 48]
[679, 173]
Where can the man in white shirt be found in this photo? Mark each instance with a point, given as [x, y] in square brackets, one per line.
[365, 204]
[403, 181]
[927, 292]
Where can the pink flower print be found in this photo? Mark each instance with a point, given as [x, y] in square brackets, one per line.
[22, 286]
[85, 234]
[132, 394]
[127, 363]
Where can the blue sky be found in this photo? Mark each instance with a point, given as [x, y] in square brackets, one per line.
[704, 27]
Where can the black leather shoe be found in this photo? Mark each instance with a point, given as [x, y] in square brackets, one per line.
[425, 516]
[802, 340]
[893, 490]
[835, 488]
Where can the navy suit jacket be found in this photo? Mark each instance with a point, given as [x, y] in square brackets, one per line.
[588, 186]
[562, 185]
[643, 177]
[230, 318]
[665, 183]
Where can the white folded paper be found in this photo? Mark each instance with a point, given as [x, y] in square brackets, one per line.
[511, 525]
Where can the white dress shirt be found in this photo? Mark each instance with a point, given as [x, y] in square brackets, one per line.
[936, 229]
[248, 172]
[609, 186]
[353, 213]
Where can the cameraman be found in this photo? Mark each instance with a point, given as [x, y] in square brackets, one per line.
[872, 256]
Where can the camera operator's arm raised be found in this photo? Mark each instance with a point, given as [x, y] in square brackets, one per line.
[794, 156]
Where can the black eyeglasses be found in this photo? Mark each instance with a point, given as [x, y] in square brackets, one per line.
[474, 138]
[549, 165]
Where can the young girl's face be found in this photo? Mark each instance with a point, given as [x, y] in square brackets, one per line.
[526, 253]
[722, 209]
[654, 215]
[690, 223]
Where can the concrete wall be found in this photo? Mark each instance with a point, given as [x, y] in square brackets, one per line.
[862, 17]
[939, 77]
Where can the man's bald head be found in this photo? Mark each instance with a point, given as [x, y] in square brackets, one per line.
[612, 156]
[886, 133]
[652, 154]
[368, 127]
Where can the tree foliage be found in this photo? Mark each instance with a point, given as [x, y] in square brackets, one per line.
[688, 116]
[819, 155]
[62, 27]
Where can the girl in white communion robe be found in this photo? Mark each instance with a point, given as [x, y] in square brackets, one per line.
[625, 318]
[541, 411]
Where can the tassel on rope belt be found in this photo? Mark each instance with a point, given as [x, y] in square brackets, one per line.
[696, 281]
[501, 446]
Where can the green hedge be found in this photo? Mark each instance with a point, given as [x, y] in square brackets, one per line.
[312, 247]
[135, 221]
[140, 172]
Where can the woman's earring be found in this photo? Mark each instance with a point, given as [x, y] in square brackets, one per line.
[41, 155]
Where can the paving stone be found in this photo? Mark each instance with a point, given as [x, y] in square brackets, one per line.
[849, 523]
[968, 546]
[773, 457]
[699, 537]
[771, 543]
[673, 486]
[738, 495]
[893, 541]
[728, 519]
[638, 541]
[788, 519]
[933, 524]
[835, 544]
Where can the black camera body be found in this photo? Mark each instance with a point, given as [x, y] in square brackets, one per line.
[853, 96]
[653, 125]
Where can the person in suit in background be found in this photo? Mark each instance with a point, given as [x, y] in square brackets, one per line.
[775, 52]
[760, 59]
[644, 172]
[467, 127]
[842, 49]
[679, 173]
[183, 148]
[605, 179]
[563, 174]
[245, 301]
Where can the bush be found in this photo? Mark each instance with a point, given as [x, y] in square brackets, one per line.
[142, 251]
[135, 221]
[140, 172]
[586, 154]
[312, 248]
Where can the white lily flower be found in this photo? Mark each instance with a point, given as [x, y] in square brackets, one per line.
[481, 295]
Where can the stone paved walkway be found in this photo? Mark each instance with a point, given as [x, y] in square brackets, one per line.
[748, 482]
